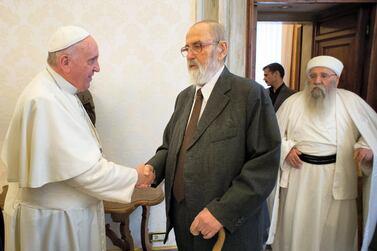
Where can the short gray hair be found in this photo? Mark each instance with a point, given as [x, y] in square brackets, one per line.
[52, 57]
[215, 28]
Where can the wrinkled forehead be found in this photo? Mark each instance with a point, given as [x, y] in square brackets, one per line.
[88, 45]
[199, 32]
[319, 69]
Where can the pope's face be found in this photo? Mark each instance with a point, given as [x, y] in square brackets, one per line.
[84, 63]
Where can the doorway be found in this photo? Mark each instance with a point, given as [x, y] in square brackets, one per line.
[347, 31]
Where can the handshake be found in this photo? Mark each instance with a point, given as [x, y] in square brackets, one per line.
[146, 175]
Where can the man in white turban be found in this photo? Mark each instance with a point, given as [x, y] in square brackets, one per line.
[326, 132]
[57, 174]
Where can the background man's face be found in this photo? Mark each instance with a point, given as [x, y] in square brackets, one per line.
[269, 76]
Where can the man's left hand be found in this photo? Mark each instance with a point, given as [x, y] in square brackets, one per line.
[206, 224]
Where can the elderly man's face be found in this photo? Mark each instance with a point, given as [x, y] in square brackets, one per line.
[84, 63]
[320, 91]
[204, 56]
[320, 80]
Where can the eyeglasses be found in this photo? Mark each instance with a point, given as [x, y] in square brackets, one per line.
[195, 48]
[322, 75]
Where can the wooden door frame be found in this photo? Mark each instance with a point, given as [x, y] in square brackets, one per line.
[369, 89]
[251, 26]
[251, 39]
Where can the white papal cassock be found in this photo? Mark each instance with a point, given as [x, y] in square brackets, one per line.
[56, 172]
[316, 209]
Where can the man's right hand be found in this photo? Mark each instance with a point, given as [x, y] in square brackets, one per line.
[146, 175]
[293, 158]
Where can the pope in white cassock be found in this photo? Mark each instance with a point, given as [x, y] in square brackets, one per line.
[57, 174]
[325, 131]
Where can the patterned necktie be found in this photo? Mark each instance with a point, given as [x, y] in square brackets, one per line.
[89, 122]
[178, 185]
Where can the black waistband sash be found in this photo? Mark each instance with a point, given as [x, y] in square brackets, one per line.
[318, 160]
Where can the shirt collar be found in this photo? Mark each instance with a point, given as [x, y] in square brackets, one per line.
[277, 90]
[61, 82]
[208, 87]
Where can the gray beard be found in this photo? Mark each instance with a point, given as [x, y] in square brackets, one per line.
[319, 99]
[200, 76]
[204, 73]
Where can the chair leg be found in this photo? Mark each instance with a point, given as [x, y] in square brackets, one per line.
[125, 243]
[145, 242]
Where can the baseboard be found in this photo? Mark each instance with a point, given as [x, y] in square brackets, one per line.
[172, 248]
[169, 248]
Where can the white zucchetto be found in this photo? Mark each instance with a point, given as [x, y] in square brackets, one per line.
[332, 63]
[65, 37]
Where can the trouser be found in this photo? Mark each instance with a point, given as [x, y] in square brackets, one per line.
[182, 218]
[248, 237]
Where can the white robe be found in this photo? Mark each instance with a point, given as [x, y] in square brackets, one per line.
[56, 172]
[344, 184]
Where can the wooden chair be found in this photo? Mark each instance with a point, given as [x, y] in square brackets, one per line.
[120, 213]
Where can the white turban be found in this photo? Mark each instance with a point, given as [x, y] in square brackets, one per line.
[65, 37]
[332, 63]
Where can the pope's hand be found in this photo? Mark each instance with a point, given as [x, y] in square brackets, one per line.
[146, 175]
[206, 224]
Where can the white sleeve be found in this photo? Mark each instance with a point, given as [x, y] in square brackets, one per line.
[107, 181]
[286, 143]
[361, 143]
[286, 146]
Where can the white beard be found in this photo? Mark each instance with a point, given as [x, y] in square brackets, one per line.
[204, 72]
[320, 99]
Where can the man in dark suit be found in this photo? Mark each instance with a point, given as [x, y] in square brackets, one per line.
[219, 171]
[273, 76]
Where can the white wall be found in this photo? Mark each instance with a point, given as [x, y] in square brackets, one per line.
[142, 70]
[233, 15]
[268, 49]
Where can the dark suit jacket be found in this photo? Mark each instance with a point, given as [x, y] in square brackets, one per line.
[284, 93]
[373, 243]
[232, 162]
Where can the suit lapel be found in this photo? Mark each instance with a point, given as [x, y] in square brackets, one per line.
[281, 97]
[215, 105]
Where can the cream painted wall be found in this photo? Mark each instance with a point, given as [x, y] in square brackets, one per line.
[232, 14]
[142, 70]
